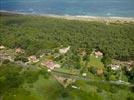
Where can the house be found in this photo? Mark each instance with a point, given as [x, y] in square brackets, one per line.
[84, 74]
[2, 47]
[98, 54]
[19, 50]
[33, 58]
[64, 50]
[114, 66]
[129, 67]
[6, 57]
[50, 64]
[48, 70]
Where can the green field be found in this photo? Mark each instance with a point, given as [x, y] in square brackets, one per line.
[96, 62]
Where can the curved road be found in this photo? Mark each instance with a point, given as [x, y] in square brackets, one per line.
[78, 77]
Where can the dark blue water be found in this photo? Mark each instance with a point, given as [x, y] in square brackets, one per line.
[120, 8]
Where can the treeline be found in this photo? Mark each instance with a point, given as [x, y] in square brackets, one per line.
[34, 34]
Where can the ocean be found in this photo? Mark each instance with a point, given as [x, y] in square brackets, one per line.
[104, 8]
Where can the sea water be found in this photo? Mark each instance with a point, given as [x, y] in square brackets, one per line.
[117, 8]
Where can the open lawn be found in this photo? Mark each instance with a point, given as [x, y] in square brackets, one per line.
[95, 62]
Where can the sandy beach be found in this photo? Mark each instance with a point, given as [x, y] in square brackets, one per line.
[101, 19]
[107, 20]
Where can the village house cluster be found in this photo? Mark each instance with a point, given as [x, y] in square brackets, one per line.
[51, 65]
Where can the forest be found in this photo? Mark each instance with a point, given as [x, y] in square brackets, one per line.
[36, 33]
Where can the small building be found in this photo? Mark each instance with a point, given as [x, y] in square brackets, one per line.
[50, 64]
[129, 68]
[33, 58]
[6, 57]
[19, 50]
[98, 54]
[2, 47]
[48, 70]
[64, 50]
[114, 66]
[129, 65]
[84, 74]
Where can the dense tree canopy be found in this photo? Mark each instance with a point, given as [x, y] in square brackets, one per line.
[38, 33]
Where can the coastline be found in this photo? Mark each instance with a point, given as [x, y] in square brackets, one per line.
[107, 20]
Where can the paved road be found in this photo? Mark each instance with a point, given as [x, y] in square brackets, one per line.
[78, 77]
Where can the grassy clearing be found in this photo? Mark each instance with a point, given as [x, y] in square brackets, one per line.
[96, 62]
